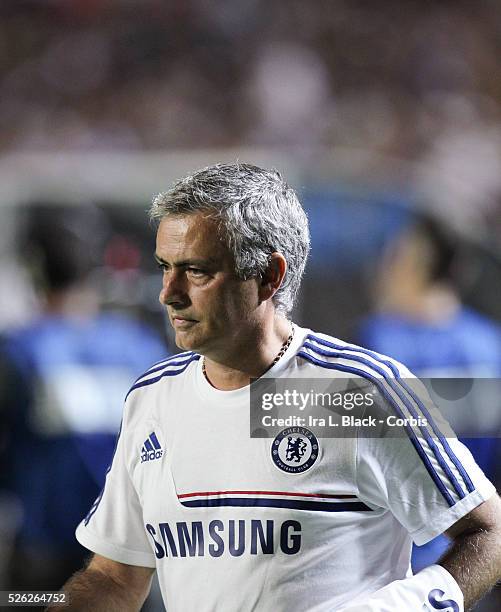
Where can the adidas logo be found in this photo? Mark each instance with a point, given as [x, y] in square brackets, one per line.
[151, 449]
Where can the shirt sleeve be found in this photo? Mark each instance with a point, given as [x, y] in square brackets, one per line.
[420, 472]
[114, 525]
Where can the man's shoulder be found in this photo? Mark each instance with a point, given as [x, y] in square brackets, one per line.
[328, 352]
[173, 366]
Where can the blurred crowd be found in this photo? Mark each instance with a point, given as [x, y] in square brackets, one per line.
[403, 80]
[148, 74]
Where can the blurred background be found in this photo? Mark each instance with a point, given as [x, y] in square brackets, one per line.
[386, 117]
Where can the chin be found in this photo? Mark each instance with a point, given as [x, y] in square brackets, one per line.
[186, 342]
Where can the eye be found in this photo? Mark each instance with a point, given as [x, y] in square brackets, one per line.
[196, 271]
[162, 266]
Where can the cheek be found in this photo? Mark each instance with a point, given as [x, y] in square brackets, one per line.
[226, 302]
[243, 300]
[209, 304]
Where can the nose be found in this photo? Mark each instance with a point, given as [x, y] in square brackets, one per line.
[173, 288]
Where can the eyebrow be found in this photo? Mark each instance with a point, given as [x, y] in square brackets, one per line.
[187, 262]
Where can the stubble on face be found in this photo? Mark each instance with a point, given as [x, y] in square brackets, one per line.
[208, 305]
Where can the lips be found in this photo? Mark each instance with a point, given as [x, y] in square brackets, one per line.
[182, 322]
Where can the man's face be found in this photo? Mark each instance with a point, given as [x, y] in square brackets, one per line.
[208, 305]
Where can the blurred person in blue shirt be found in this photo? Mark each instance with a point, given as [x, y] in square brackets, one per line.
[63, 380]
[421, 321]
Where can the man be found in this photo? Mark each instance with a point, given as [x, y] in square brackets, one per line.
[233, 523]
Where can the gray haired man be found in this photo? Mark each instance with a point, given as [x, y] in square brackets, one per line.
[232, 523]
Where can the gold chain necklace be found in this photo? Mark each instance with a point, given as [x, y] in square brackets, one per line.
[280, 353]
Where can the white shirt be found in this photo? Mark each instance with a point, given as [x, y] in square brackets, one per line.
[190, 492]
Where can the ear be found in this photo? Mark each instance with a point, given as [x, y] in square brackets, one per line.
[273, 276]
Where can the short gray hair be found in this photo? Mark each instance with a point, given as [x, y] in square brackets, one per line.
[258, 214]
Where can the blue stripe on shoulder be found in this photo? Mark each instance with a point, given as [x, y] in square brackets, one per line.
[177, 360]
[159, 365]
[450, 453]
[150, 381]
[166, 360]
[412, 436]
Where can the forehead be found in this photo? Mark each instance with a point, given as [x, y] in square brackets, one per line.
[188, 237]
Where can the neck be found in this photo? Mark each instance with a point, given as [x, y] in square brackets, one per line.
[252, 356]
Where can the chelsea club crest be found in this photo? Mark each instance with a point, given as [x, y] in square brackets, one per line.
[294, 450]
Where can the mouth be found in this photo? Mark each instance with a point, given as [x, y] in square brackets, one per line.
[182, 322]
